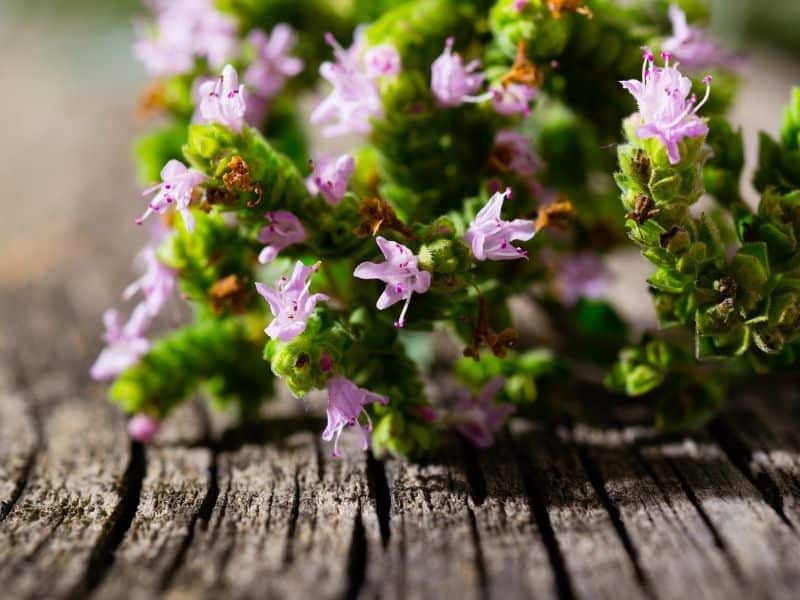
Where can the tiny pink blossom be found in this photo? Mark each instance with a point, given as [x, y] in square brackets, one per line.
[330, 177]
[346, 403]
[401, 274]
[452, 83]
[477, 417]
[273, 65]
[176, 187]
[290, 303]
[382, 60]
[143, 428]
[513, 99]
[125, 344]
[667, 109]
[490, 236]
[157, 283]
[223, 101]
[692, 46]
[582, 275]
[426, 414]
[284, 229]
[325, 362]
[519, 5]
[185, 30]
[523, 159]
[355, 98]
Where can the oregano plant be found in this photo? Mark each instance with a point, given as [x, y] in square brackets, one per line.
[479, 167]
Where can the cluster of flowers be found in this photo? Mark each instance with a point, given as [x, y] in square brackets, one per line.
[192, 32]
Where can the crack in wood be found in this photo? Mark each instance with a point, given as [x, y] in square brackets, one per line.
[379, 490]
[201, 518]
[102, 556]
[291, 527]
[596, 479]
[480, 560]
[532, 484]
[472, 469]
[357, 558]
[740, 455]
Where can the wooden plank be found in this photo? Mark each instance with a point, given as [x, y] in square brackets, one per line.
[18, 444]
[514, 553]
[178, 491]
[765, 548]
[770, 460]
[78, 490]
[431, 551]
[592, 556]
[285, 521]
[677, 552]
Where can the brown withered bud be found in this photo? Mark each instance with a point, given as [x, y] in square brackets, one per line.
[557, 7]
[523, 71]
[238, 179]
[643, 209]
[151, 100]
[229, 293]
[641, 164]
[556, 215]
[379, 216]
[302, 360]
[214, 196]
[726, 286]
[484, 335]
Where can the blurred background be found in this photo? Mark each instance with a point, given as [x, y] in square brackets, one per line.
[70, 91]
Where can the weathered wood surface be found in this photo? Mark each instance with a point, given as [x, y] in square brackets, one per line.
[599, 509]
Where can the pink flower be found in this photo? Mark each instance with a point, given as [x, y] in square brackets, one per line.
[513, 99]
[382, 60]
[693, 46]
[355, 98]
[582, 275]
[284, 229]
[185, 30]
[452, 83]
[401, 274]
[477, 417]
[125, 345]
[223, 101]
[330, 177]
[346, 403]
[156, 284]
[666, 109]
[519, 5]
[272, 66]
[490, 236]
[522, 159]
[143, 428]
[290, 303]
[176, 187]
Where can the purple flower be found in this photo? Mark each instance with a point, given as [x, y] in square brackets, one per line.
[693, 46]
[355, 98]
[125, 345]
[185, 30]
[513, 99]
[176, 187]
[490, 236]
[346, 403]
[452, 83]
[223, 101]
[330, 177]
[582, 275]
[290, 303]
[477, 417]
[156, 284]
[284, 229]
[400, 273]
[522, 159]
[267, 74]
[143, 428]
[382, 60]
[519, 5]
[666, 108]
